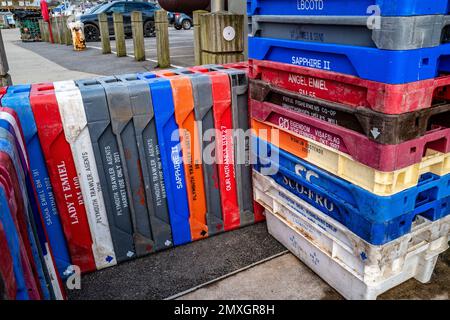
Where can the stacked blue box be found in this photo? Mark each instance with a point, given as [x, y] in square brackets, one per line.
[304, 171]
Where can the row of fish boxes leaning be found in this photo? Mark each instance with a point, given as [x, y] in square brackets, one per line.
[354, 166]
[100, 171]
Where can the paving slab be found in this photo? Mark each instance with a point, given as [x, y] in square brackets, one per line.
[287, 278]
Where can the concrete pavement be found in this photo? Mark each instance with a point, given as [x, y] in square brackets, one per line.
[93, 61]
[286, 278]
[26, 66]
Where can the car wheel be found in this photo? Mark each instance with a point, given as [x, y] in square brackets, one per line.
[187, 24]
[178, 27]
[149, 29]
[91, 33]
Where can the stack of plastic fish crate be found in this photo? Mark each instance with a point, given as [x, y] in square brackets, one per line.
[101, 171]
[351, 128]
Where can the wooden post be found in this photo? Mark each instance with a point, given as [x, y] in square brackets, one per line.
[41, 29]
[5, 78]
[162, 38]
[46, 36]
[67, 32]
[119, 34]
[55, 30]
[58, 31]
[138, 35]
[222, 37]
[50, 31]
[60, 22]
[197, 37]
[104, 33]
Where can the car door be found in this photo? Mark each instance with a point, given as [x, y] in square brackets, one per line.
[115, 8]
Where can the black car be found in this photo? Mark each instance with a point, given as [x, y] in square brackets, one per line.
[90, 20]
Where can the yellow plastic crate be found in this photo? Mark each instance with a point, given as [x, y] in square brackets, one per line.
[344, 166]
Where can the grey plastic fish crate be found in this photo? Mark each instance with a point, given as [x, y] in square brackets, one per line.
[389, 33]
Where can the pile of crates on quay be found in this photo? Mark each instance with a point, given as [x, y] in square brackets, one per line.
[350, 110]
[100, 171]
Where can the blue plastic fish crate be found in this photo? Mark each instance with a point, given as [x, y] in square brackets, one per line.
[171, 156]
[387, 66]
[347, 7]
[376, 219]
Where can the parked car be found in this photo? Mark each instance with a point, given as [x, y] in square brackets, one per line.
[182, 21]
[171, 17]
[90, 20]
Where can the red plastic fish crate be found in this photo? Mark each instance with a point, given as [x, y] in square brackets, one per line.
[351, 90]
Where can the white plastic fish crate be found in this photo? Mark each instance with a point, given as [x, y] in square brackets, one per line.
[355, 268]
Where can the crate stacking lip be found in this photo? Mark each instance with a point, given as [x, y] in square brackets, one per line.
[369, 263]
[347, 7]
[274, 103]
[419, 263]
[391, 33]
[393, 67]
[377, 219]
[352, 91]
